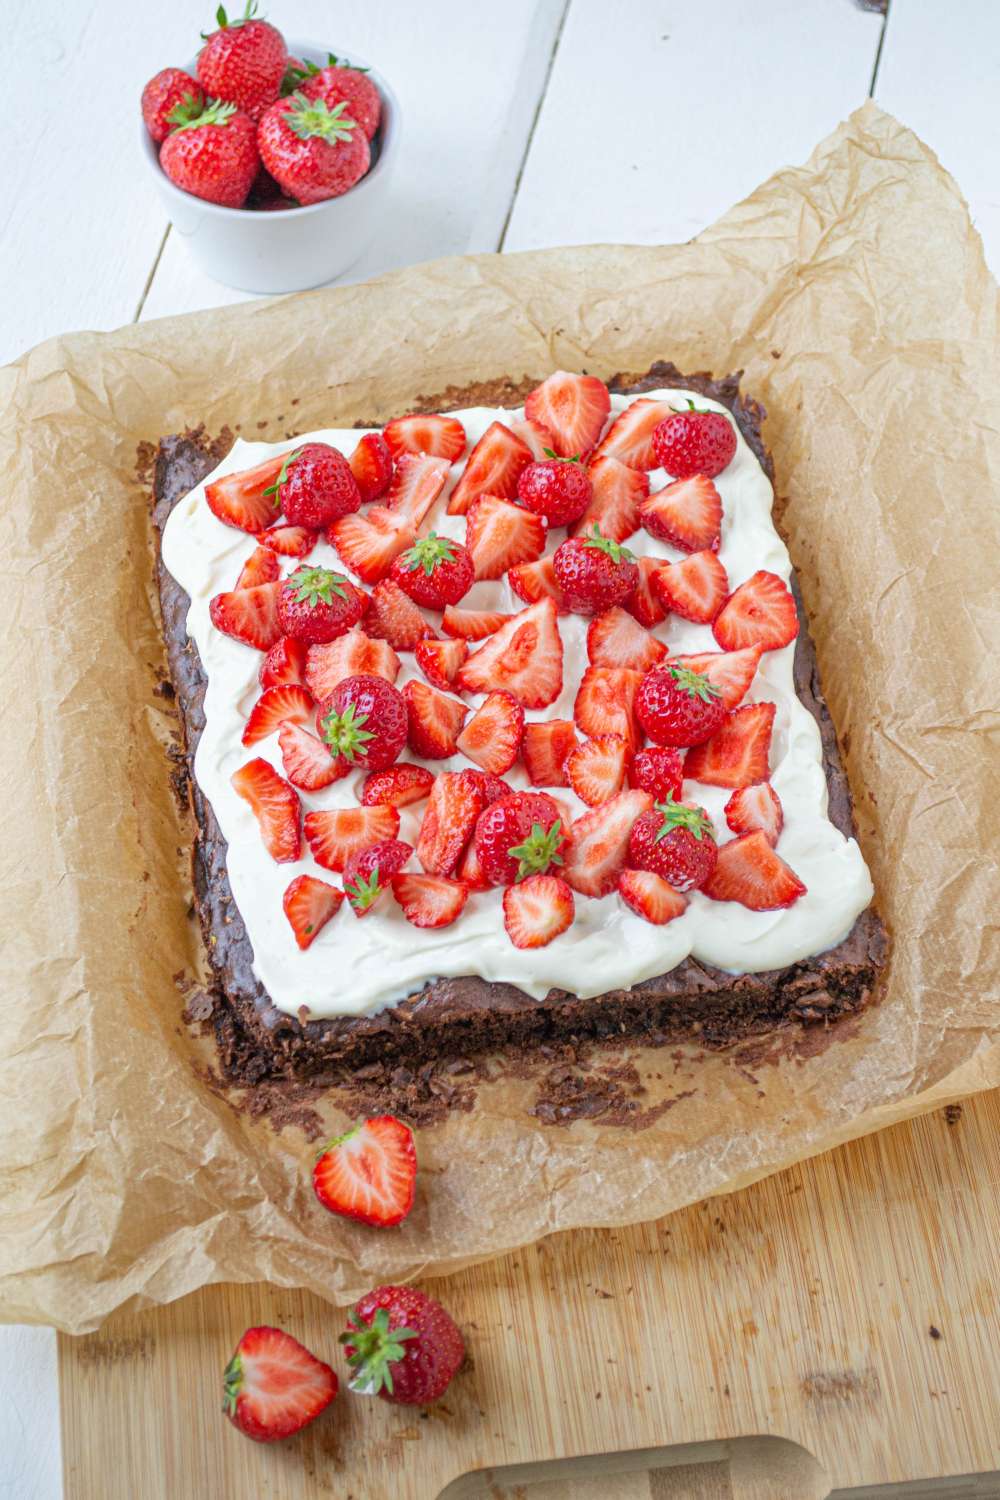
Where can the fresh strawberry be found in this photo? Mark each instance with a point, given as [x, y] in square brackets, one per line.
[730, 671]
[658, 771]
[397, 786]
[749, 871]
[524, 657]
[273, 1386]
[598, 843]
[537, 910]
[594, 573]
[440, 660]
[243, 61]
[364, 721]
[491, 786]
[285, 662]
[753, 807]
[517, 836]
[249, 615]
[557, 488]
[679, 707]
[441, 437]
[392, 616]
[371, 465]
[761, 612]
[687, 514]
[274, 804]
[275, 706]
[537, 437]
[674, 840]
[536, 580]
[418, 480]
[402, 1345]
[500, 535]
[492, 737]
[469, 871]
[261, 566]
[368, 873]
[435, 721]
[650, 896]
[614, 509]
[455, 802]
[605, 703]
[694, 442]
[694, 588]
[315, 487]
[314, 152]
[644, 601]
[430, 900]
[545, 748]
[309, 904]
[316, 605]
[473, 624]
[629, 439]
[214, 155]
[367, 544]
[335, 834]
[493, 468]
[435, 571]
[574, 408]
[616, 639]
[342, 83]
[738, 754]
[241, 500]
[596, 769]
[307, 761]
[171, 98]
[289, 541]
[369, 1173]
[352, 655]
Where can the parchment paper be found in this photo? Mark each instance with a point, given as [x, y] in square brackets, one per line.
[854, 294]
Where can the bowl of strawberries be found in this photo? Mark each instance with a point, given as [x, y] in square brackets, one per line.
[273, 159]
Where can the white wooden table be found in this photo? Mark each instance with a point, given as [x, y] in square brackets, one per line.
[535, 123]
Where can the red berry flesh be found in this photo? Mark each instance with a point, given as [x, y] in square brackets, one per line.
[678, 706]
[517, 836]
[435, 571]
[594, 573]
[317, 605]
[557, 488]
[316, 487]
[694, 442]
[364, 722]
[675, 841]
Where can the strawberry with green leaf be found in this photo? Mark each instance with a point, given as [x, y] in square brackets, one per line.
[368, 873]
[315, 487]
[401, 1345]
[314, 152]
[364, 722]
[435, 571]
[213, 155]
[169, 99]
[594, 572]
[243, 61]
[317, 605]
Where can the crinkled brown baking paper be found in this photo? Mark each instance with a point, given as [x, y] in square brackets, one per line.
[853, 292]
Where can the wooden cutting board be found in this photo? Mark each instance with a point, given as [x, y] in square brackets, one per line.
[848, 1305]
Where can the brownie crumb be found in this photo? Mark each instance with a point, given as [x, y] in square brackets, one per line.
[935, 1333]
[952, 1114]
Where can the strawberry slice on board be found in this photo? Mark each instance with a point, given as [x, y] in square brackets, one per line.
[616, 639]
[274, 707]
[524, 657]
[618, 493]
[537, 910]
[397, 786]
[249, 615]
[598, 843]
[241, 499]
[532, 581]
[307, 761]
[686, 514]
[737, 755]
[500, 535]
[730, 671]
[492, 737]
[392, 616]
[334, 834]
[274, 804]
[285, 662]
[262, 566]
[761, 612]
[440, 660]
[574, 409]
[473, 624]
[753, 807]
[416, 484]
[630, 436]
[455, 802]
[605, 704]
[651, 897]
[644, 601]
[371, 465]
[369, 544]
[748, 871]
[289, 541]
[430, 900]
[309, 904]
[695, 588]
[354, 654]
[545, 749]
[435, 721]
[273, 1386]
[440, 437]
[596, 769]
[369, 1173]
[493, 468]
[537, 437]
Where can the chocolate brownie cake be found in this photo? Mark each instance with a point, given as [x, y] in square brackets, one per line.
[467, 1014]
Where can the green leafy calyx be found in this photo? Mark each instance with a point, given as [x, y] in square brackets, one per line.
[273, 489]
[428, 552]
[314, 586]
[345, 734]
[232, 1384]
[574, 459]
[313, 118]
[361, 892]
[223, 22]
[614, 550]
[185, 110]
[377, 1347]
[539, 851]
[678, 815]
[695, 683]
[215, 112]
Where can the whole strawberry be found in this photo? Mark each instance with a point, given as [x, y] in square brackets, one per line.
[243, 62]
[517, 836]
[557, 488]
[675, 841]
[594, 573]
[213, 156]
[273, 1386]
[364, 721]
[402, 1345]
[343, 84]
[677, 706]
[435, 571]
[694, 442]
[170, 99]
[316, 605]
[368, 873]
[314, 152]
[315, 487]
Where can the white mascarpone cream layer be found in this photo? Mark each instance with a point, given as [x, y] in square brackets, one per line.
[358, 966]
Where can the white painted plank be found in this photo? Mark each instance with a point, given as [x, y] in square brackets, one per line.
[468, 78]
[30, 1445]
[940, 74]
[660, 114]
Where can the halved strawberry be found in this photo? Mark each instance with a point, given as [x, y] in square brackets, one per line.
[472, 624]
[596, 769]
[335, 834]
[761, 612]
[493, 468]
[500, 535]
[289, 541]
[240, 500]
[261, 566]
[455, 802]
[307, 761]
[537, 910]
[434, 721]
[545, 749]
[248, 615]
[536, 580]
[367, 544]
[470, 872]
[354, 654]
[392, 616]
[274, 804]
[753, 807]
[397, 786]
[598, 843]
[630, 436]
[285, 662]
[605, 703]
[440, 660]
[730, 671]
[442, 437]
[694, 588]
[650, 896]
[537, 437]
[276, 705]
[686, 514]
[274, 1387]
[369, 1173]
[492, 737]
[429, 900]
[616, 639]
[416, 484]
[309, 904]
[644, 601]
[574, 408]
[371, 465]
[748, 871]
[614, 509]
[524, 657]
[737, 755]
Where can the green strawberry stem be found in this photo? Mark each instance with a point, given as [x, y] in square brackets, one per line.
[695, 683]
[376, 1349]
[314, 586]
[309, 118]
[273, 489]
[677, 815]
[539, 850]
[428, 552]
[215, 112]
[551, 453]
[344, 734]
[361, 893]
[614, 550]
[232, 1384]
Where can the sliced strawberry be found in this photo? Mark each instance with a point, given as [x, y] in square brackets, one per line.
[630, 436]
[307, 761]
[536, 580]
[694, 588]
[748, 871]
[537, 437]
[289, 541]
[616, 639]
[687, 514]
[730, 671]
[369, 1173]
[537, 910]
[644, 601]
[429, 900]
[285, 662]
[574, 408]
[650, 896]
[240, 500]
[416, 484]
[605, 704]
[371, 465]
[334, 835]
[596, 769]
[392, 616]
[492, 737]
[309, 904]
[442, 437]
[493, 468]
[472, 624]
[761, 612]
[753, 807]
[618, 493]
[435, 721]
[440, 660]
[493, 787]
[274, 706]
[274, 1387]
[274, 804]
[524, 657]
[455, 802]
[598, 843]
[397, 786]
[500, 535]
[249, 615]
[545, 749]
[367, 544]
[737, 755]
[470, 872]
[261, 566]
[354, 654]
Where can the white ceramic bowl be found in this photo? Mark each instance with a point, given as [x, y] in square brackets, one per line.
[295, 248]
